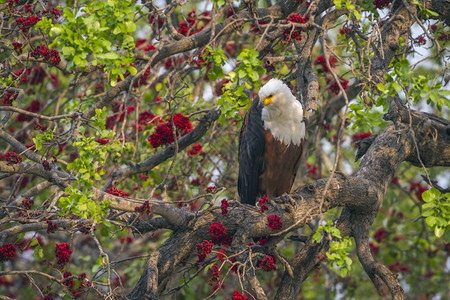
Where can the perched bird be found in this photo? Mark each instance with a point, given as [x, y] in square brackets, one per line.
[270, 143]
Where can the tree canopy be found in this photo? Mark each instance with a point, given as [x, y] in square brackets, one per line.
[119, 128]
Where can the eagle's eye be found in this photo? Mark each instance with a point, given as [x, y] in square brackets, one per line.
[271, 95]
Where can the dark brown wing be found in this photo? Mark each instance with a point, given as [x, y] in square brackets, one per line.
[251, 152]
[281, 164]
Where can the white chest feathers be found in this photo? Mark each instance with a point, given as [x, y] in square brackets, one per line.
[285, 122]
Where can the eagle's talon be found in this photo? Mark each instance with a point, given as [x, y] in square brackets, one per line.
[288, 199]
[343, 175]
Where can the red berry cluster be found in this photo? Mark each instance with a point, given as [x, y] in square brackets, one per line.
[46, 165]
[214, 281]
[193, 25]
[221, 255]
[55, 13]
[39, 75]
[420, 41]
[381, 234]
[445, 36]
[130, 109]
[28, 8]
[8, 98]
[220, 85]
[255, 28]
[102, 141]
[51, 226]
[321, 61]
[126, 240]
[141, 81]
[27, 203]
[196, 149]
[17, 47]
[174, 61]
[238, 296]
[398, 267]
[146, 118]
[117, 192]
[163, 134]
[211, 189]
[262, 240]
[69, 282]
[46, 54]
[183, 28]
[156, 22]
[219, 233]
[267, 263]
[62, 253]
[119, 280]
[139, 43]
[182, 123]
[144, 208]
[263, 203]
[54, 80]
[7, 252]
[149, 48]
[360, 136]
[13, 158]
[13, 2]
[5, 281]
[418, 189]
[294, 32]
[344, 30]
[224, 206]
[203, 249]
[217, 230]
[334, 88]
[25, 23]
[312, 169]
[23, 73]
[274, 222]
[380, 4]
[85, 227]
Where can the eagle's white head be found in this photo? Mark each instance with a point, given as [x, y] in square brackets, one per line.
[275, 93]
[282, 113]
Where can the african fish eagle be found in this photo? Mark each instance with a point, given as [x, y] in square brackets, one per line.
[270, 143]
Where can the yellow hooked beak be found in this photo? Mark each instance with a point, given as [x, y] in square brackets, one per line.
[268, 100]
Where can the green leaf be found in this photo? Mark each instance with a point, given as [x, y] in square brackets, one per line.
[109, 55]
[439, 231]
[131, 26]
[113, 81]
[66, 50]
[397, 87]
[132, 70]
[37, 144]
[431, 221]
